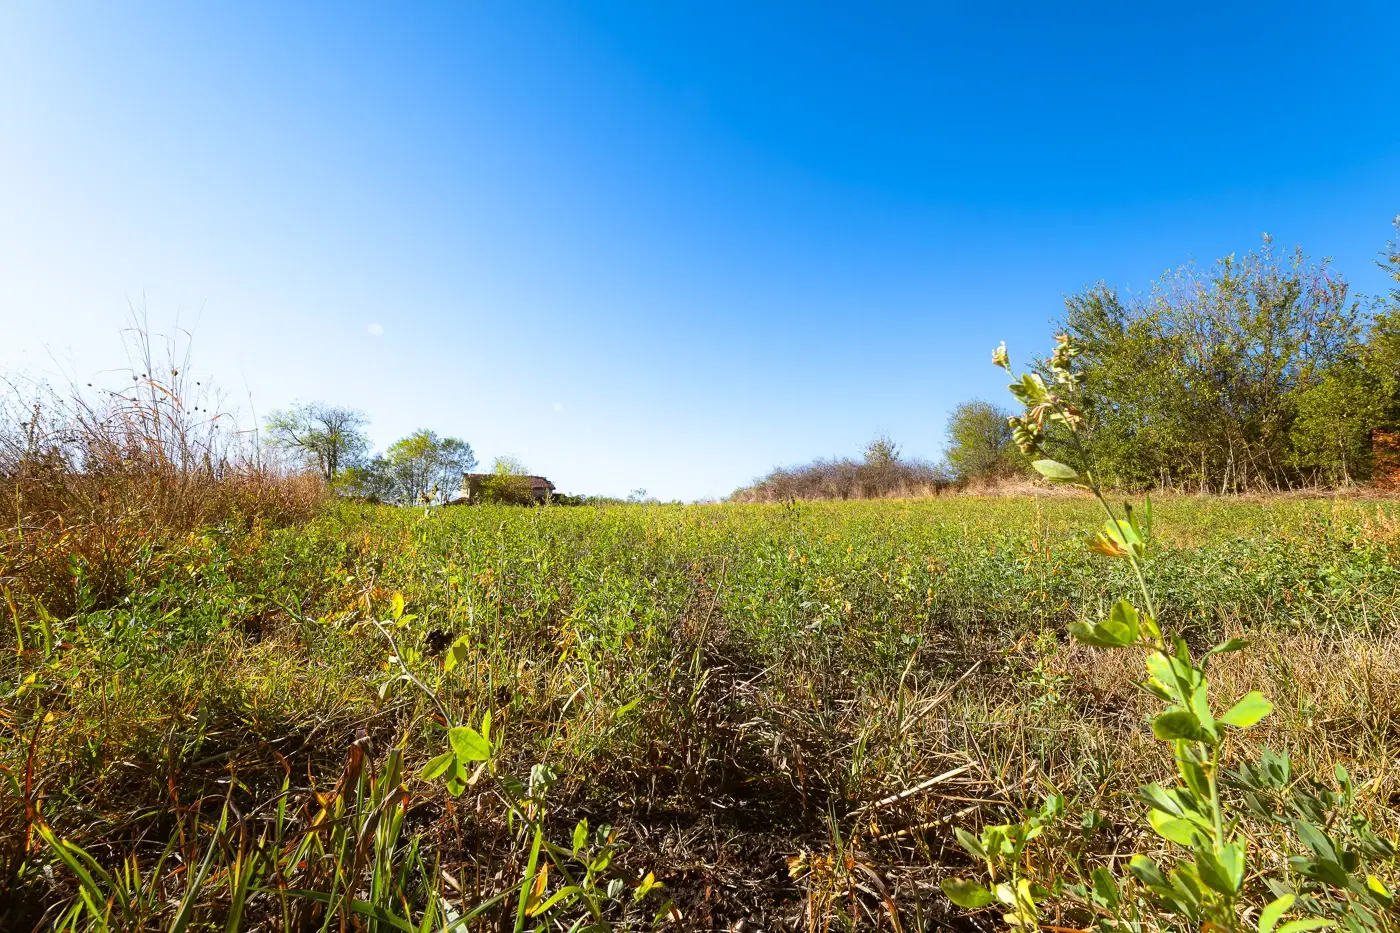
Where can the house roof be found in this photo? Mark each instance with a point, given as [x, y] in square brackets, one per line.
[536, 482]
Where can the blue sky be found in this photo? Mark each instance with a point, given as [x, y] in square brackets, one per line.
[660, 245]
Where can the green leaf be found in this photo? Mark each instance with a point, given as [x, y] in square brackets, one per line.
[647, 885]
[1311, 923]
[1158, 689]
[437, 767]
[1122, 623]
[1092, 635]
[1156, 796]
[1344, 781]
[1055, 470]
[1172, 829]
[1317, 840]
[568, 892]
[580, 835]
[1269, 916]
[1159, 667]
[1211, 873]
[469, 744]
[1125, 535]
[1024, 914]
[457, 653]
[1222, 870]
[1029, 390]
[1226, 647]
[396, 606]
[64, 850]
[1178, 724]
[1105, 888]
[971, 843]
[1200, 705]
[1194, 774]
[1251, 708]
[967, 894]
[1146, 871]
[527, 886]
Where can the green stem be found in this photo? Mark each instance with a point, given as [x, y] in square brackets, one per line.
[1093, 483]
[1217, 816]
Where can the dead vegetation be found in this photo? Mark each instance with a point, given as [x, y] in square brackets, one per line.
[95, 483]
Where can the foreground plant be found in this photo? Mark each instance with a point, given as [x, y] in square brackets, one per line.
[469, 756]
[1204, 886]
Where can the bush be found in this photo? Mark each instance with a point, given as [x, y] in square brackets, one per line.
[980, 445]
[881, 473]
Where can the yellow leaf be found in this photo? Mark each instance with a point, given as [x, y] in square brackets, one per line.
[1105, 545]
[538, 888]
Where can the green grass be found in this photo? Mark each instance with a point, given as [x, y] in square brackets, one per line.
[730, 688]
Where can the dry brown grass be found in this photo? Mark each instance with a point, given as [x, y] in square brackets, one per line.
[96, 483]
[1050, 716]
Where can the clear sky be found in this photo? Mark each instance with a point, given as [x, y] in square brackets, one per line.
[662, 245]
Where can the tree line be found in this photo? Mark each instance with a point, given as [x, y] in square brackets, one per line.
[880, 471]
[1259, 372]
[422, 468]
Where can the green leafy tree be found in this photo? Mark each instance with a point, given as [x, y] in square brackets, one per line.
[328, 438]
[1331, 432]
[881, 453]
[1198, 382]
[980, 444]
[371, 479]
[1382, 354]
[420, 468]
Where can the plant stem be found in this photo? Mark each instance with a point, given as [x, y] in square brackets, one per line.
[442, 708]
[1093, 484]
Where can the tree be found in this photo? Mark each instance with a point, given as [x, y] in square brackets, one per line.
[327, 438]
[879, 472]
[881, 453]
[420, 468]
[1331, 431]
[371, 479]
[1382, 355]
[509, 482]
[979, 442]
[1207, 371]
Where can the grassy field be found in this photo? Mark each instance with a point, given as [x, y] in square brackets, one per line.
[741, 693]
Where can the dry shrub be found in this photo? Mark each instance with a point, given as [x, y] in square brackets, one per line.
[95, 483]
[848, 479]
